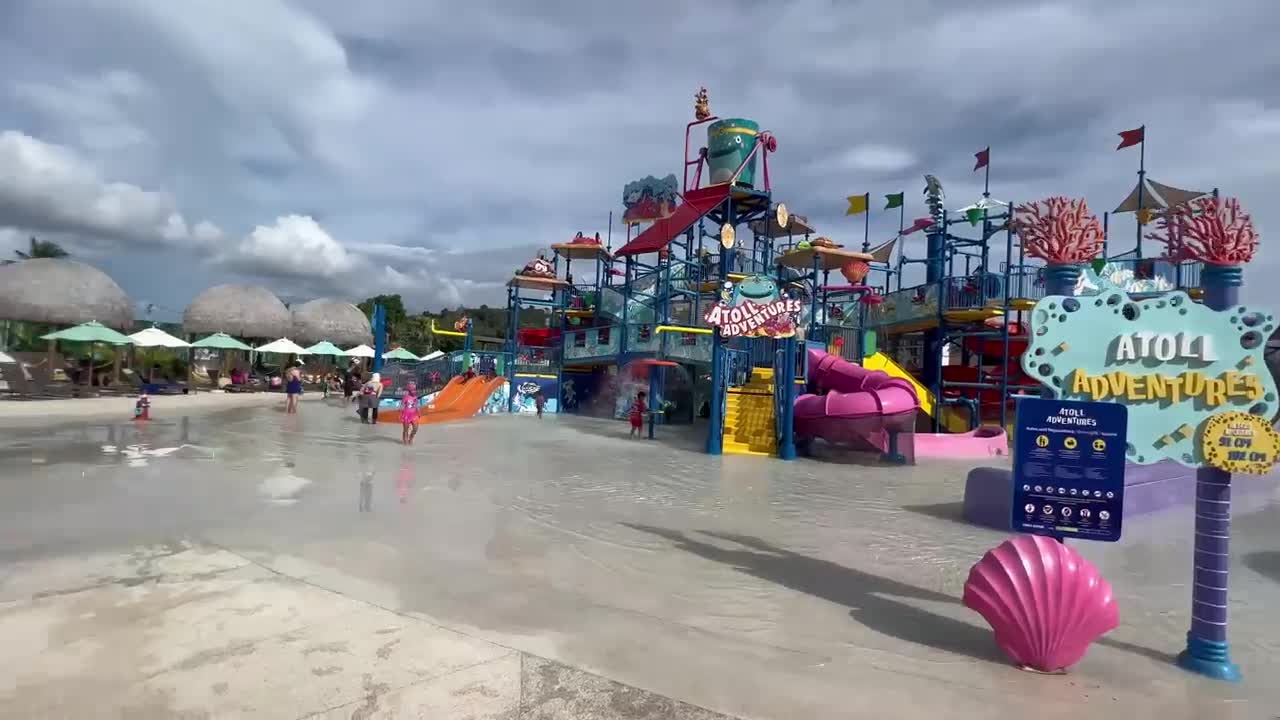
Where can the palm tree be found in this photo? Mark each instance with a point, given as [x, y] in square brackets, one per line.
[42, 249]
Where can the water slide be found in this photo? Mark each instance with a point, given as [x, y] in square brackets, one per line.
[472, 396]
[953, 421]
[697, 203]
[860, 406]
[448, 395]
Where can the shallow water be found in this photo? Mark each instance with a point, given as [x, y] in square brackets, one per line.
[752, 586]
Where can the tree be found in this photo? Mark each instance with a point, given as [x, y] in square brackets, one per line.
[393, 305]
[39, 249]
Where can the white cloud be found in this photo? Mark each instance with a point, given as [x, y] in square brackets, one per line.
[46, 187]
[877, 158]
[295, 245]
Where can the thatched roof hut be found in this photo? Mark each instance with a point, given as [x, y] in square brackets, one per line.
[334, 320]
[61, 291]
[246, 311]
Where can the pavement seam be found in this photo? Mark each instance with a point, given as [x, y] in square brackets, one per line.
[445, 628]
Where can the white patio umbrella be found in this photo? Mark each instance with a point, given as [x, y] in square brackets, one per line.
[283, 346]
[360, 351]
[4, 358]
[155, 337]
[432, 355]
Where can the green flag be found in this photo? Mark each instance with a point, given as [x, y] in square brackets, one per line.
[893, 200]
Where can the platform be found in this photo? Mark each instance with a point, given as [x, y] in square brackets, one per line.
[827, 258]
[988, 491]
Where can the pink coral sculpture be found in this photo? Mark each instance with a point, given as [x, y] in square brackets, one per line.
[1045, 602]
[1211, 229]
[1059, 230]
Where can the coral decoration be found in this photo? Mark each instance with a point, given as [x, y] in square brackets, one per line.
[1045, 602]
[855, 271]
[1212, 230]
[1059, 230]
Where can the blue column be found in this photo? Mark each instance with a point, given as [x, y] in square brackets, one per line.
[1061, 279]
[1207, 650]
[787, 386]
[934, 271]
[379, 336]
[715, 425]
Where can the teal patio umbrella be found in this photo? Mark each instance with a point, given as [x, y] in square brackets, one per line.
[92, 332]
[400, 354]
[326, 348]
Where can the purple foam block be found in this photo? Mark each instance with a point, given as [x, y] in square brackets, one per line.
[988, 491]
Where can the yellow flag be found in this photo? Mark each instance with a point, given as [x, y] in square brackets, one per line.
[857, 204]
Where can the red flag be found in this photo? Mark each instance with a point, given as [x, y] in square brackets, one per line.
[1129, 138]
[983, 157]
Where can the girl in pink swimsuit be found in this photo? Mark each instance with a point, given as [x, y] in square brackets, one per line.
[409, 414]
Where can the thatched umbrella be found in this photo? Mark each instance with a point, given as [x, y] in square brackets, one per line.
[61, 291]
[245, 311]
[333, 320]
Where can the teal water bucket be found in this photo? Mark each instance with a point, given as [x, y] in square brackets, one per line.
[728, 143]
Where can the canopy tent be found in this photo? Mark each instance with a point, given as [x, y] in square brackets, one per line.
[220, 341]
[360, 351]
[155, 337]
[283, 346]
[90, 332]
[400, 354]
[326, 348]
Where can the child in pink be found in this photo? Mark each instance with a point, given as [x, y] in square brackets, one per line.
[409, 414]
[637, 414]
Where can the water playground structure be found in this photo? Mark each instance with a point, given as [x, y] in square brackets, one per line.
[779, 336]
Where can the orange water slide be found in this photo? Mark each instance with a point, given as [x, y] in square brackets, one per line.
[471, 397]
[448, 394]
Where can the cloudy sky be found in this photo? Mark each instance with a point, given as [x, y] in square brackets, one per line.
[334, 148]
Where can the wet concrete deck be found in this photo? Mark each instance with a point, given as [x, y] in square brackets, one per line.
[249, 564]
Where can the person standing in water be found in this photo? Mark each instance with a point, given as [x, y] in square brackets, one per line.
[539, 402]
[292, 390]
[373, 390]
[409, 414]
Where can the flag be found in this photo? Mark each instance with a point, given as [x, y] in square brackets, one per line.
[983, 158]
[1129, 138]
[893, 201]
[857, 204]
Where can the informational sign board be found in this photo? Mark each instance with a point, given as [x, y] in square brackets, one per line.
[1068, 469]
[1240, 443]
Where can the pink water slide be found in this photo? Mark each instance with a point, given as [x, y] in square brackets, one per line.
[860, 407]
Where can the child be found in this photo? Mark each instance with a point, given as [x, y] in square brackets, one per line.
[293, 390]
[142, 408]
[637, 413]
[362, 402]
[539, 402]
[409, 414]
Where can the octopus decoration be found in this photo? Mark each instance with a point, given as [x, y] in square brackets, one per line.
[1059, 230]
[1210, 229]
[539, 267]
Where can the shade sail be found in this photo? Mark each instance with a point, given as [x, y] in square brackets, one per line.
[92, 331]
[283, 346]
[220, 341]
[155, 337]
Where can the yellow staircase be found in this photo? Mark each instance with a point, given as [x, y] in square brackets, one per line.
[749, 417]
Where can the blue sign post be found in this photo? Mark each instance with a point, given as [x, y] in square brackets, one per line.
[1068, 469]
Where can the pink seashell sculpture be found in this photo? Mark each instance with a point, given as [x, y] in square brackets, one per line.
[1045, 602]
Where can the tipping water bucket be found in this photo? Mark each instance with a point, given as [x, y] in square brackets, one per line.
[729, 142]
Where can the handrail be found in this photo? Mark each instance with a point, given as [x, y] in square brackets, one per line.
[682, 329]
[450, 333]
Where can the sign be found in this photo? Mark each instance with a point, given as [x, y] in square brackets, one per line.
[1175, 364]
[753, 307]
[1240, 443]
[1068, 469]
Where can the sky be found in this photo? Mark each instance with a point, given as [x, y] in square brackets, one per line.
[339, 149]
